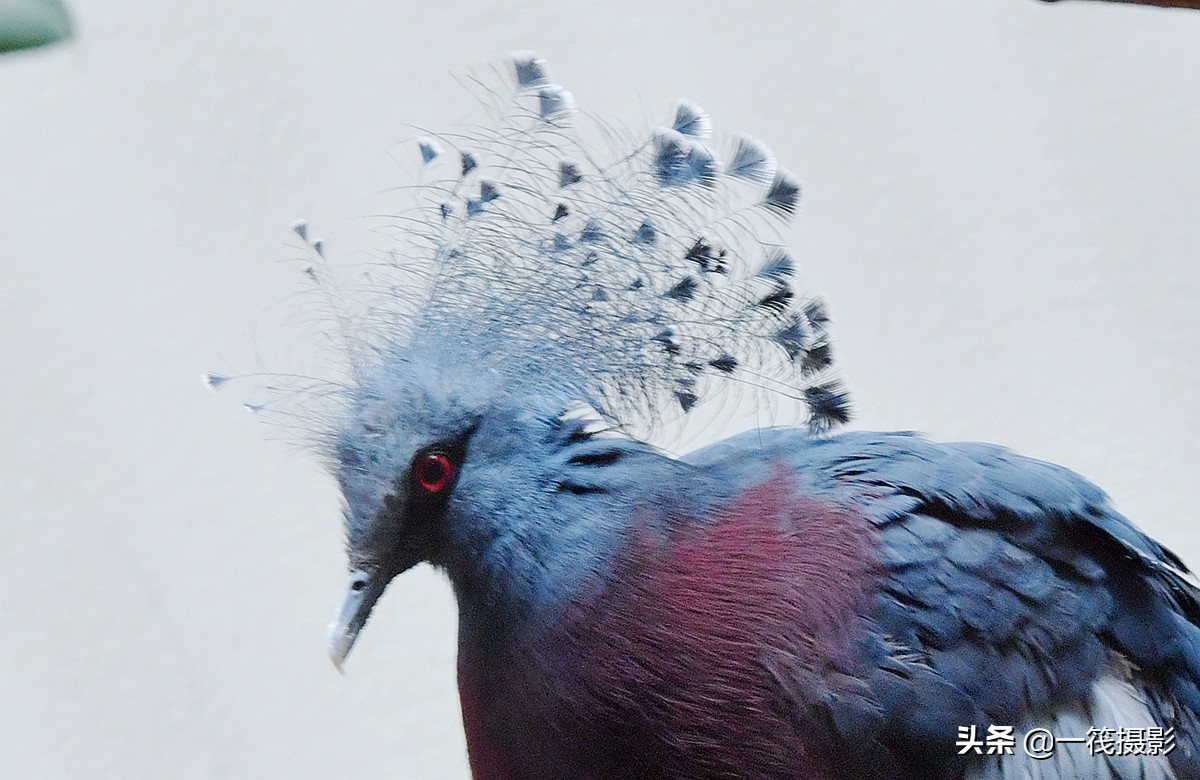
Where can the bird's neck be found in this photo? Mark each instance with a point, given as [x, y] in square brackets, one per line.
[519, 579]
[532, 541]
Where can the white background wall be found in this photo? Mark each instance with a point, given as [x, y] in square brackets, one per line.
[1001, 203]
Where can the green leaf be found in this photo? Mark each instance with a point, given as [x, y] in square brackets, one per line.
[25, 24]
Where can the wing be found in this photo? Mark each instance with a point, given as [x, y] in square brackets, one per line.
[1010, 593]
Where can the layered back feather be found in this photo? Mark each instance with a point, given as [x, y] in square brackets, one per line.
[637, 281]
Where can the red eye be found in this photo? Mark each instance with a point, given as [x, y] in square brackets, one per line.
[433, 471]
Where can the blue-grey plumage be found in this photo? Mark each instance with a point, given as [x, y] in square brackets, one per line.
[791, 603]
[948, 586]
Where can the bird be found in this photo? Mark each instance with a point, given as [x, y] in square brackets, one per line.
[797, 602]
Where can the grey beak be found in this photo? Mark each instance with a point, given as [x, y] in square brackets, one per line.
[364, 590]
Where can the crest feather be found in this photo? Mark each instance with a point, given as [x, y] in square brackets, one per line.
[638, 276]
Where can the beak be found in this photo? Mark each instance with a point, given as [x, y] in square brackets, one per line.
[364, 590]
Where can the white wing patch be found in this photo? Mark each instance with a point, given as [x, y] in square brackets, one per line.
[1114, 704]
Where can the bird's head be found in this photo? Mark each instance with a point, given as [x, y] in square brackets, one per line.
[400, 459]
[435, 453]
[546, 277]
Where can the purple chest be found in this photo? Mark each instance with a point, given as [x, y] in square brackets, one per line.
[691, 661]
